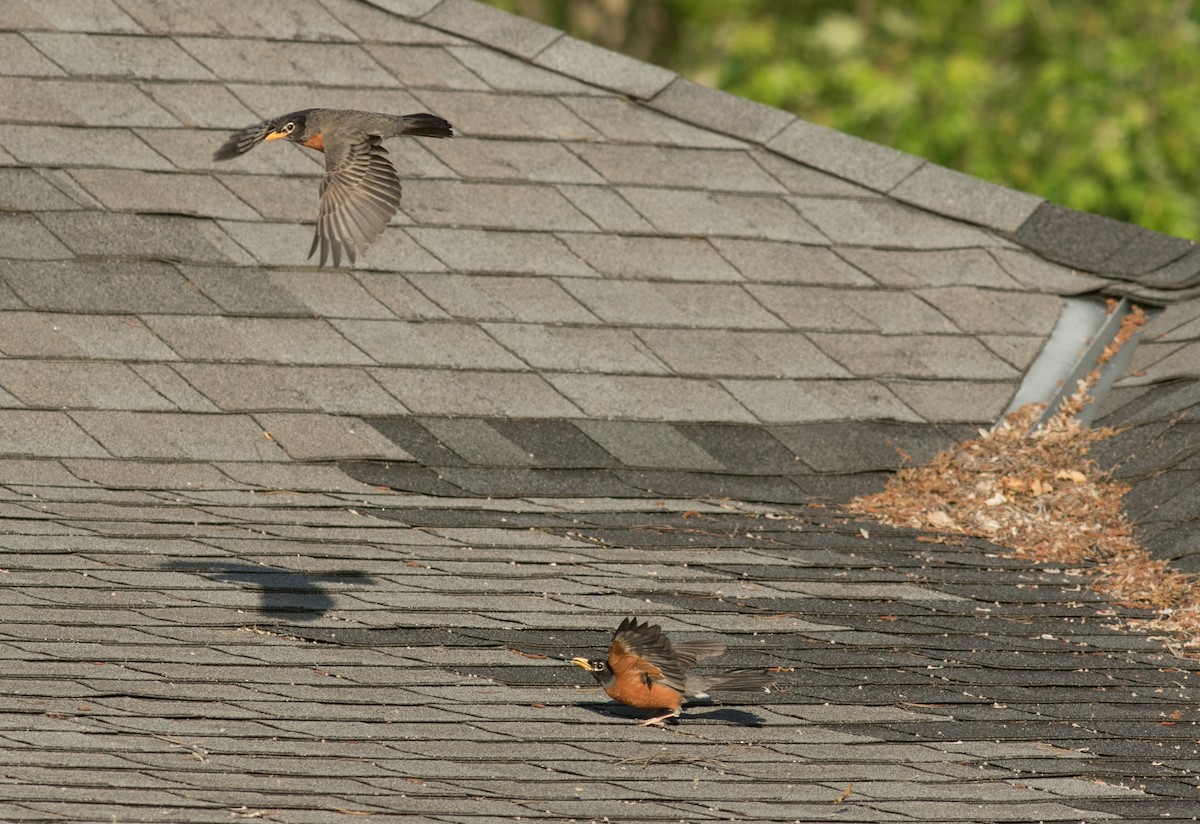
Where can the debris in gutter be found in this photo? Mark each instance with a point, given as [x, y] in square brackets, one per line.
[1035, 491]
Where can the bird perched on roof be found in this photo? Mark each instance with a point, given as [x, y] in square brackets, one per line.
[645, 671]
[361, 190]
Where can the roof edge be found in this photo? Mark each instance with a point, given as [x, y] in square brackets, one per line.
[1081, 240]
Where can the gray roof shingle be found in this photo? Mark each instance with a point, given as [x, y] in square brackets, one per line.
[283, 540]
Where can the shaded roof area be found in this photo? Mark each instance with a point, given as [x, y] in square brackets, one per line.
[286, 542]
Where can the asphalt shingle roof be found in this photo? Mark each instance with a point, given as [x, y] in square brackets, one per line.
[294, 543]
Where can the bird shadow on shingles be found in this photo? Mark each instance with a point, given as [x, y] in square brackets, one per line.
[693, 712]
[299, 596]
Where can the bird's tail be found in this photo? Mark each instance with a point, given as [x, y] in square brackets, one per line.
[425, 125]
[746, 680]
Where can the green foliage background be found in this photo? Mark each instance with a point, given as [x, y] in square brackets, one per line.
[1094, 105]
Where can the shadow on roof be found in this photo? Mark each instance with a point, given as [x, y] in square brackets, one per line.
[282, 592]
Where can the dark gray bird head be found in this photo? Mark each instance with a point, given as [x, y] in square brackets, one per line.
[599, 670]
[292, 126]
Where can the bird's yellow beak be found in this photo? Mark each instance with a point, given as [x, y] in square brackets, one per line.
[274, 136]
[582, 662]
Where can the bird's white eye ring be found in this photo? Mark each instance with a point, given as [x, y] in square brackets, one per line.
[289, 128]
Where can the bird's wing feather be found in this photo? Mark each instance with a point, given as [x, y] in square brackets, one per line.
[690, 653]
[241, 142]
[359, 194]
[644, 648]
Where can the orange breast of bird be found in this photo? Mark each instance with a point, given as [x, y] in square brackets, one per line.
[636, 682]
[317, 142]
[632, 690]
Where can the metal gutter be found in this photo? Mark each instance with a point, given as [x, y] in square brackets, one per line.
[1085, 328]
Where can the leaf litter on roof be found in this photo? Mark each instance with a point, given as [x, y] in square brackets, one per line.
[1035, 491]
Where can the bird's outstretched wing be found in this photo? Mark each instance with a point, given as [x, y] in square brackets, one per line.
[644, 648]
[690, 652]
[359, 194]
[241, 142]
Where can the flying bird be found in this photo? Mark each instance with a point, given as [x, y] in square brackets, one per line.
[645, 671]
[360, 190]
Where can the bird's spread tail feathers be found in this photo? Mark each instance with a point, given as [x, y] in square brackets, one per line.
[426, 125]
[747, 680]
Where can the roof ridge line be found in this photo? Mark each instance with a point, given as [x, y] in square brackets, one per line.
[1080, 240]
[685, 100]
